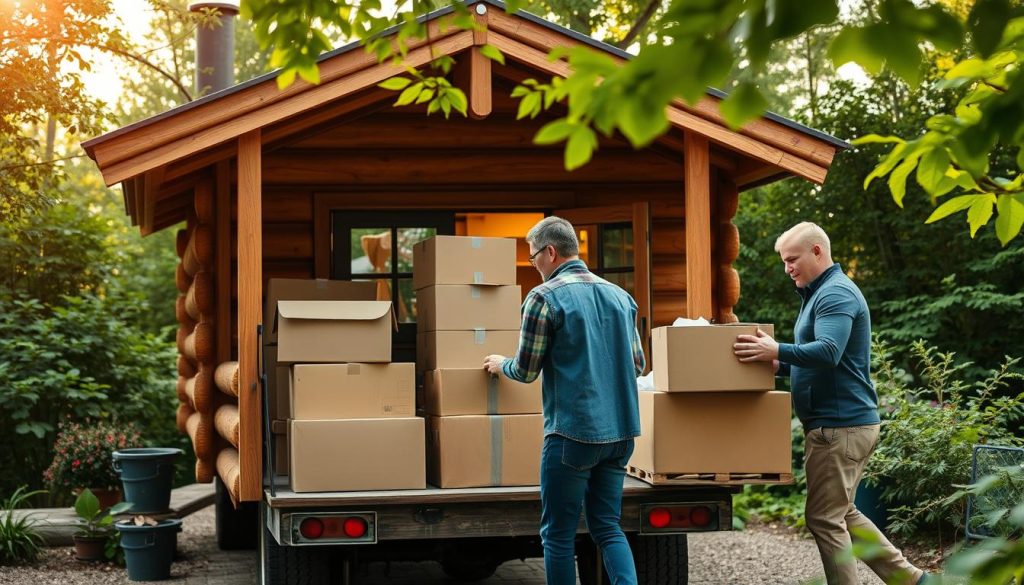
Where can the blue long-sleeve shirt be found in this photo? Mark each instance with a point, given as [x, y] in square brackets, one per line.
[829, 364]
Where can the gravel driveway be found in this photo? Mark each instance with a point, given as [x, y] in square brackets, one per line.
[757, 556]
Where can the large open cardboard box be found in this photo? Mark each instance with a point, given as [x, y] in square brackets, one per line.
[334, 331]
[301, 289]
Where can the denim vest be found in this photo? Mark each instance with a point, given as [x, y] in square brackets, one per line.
[589, 377]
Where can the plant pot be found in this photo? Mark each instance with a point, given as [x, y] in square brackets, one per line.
[870, 503]
[146, 475]
[90, 548]
[149, 550]
[107, 497]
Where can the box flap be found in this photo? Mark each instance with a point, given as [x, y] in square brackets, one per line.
[335, 310]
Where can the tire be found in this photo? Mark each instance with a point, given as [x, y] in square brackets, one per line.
[237, 528]
[659, 560]
[292, 565]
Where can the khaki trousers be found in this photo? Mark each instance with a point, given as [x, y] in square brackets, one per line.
[835, 459]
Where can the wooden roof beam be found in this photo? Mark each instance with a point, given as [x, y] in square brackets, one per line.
[243, 123]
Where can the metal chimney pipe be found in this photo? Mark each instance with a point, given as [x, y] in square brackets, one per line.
[215, 47]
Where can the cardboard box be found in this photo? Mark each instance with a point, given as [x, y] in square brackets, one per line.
[334, 331]
[437, 350]
[326, 391]
[479, 451]
[468, 306]
[299, 289]
[357, 454]
[463, 260]
[701, 359]
[451, 392]
[279, 428]
[277, 385]
[714, 432]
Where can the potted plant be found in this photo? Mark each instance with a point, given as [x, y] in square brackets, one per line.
[97, 526]
[82, 459]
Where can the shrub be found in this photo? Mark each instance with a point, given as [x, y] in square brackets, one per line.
[82, 455]
[19, 542]
[928, 433]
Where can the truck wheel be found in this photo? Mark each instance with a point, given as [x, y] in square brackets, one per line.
[660, 560]
[237, 529]
[291, 565]
[468, 571]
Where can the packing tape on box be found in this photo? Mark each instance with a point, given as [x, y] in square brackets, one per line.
[497, 443]
[478, 277]
[479, 335]
[492, 393]
[476, 242]
[474, 291]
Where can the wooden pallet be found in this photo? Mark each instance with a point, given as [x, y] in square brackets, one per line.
[707, 479]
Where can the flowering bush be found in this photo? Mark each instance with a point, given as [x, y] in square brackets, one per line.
[82, 455]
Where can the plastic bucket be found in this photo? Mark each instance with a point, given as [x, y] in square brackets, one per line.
[149, 550]
[147, 475]
[869, 501]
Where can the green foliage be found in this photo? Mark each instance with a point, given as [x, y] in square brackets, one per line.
[82, 455]
[95, 521]
[998, 560]
[929, 430]
[19, 542]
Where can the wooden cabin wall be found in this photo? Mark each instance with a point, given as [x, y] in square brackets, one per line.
[374, 163]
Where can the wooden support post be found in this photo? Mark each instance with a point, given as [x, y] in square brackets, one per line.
[250, 314]
[697, 177]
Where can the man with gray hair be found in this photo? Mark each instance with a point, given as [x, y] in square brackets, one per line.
[580, 330]
[829, 367]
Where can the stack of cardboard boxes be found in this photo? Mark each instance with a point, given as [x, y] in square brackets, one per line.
[482, 430]
[351, 412]
[710, 413]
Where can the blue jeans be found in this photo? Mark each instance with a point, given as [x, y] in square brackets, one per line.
[576, 475]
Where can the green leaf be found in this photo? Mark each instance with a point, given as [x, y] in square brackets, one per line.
[310, 73]
[87, 505]
[898, 178]
[554, 131]
[950, 207]
[492, 53]
[986, 21]
[742, 105]
[850, 45]
[425, 96]
[529, 106]
[970, 68]
[395, 83]
[120, 508]
[286, 78]
[641, 122]
[932, 169]
[458, 100]
[980, 211]
[409, 95]
[888, 163]
[1010, 218]
[580, 147]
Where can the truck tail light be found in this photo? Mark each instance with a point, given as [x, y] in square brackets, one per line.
[678, 518]
[341, 528]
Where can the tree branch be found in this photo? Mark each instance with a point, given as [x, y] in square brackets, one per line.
[641, 22]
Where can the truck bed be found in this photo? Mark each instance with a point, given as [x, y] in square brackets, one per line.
[286, 498]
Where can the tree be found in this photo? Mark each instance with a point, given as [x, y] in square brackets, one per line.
[695, 44]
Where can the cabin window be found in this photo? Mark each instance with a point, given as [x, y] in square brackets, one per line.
[607, 250]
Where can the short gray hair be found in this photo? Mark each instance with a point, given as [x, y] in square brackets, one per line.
[557, 233]
[807, 234]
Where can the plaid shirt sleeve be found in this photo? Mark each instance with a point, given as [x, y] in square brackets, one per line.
[533, 341]
[638, 353]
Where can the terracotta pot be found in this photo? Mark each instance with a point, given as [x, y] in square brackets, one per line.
[90, 548]
[107, 497]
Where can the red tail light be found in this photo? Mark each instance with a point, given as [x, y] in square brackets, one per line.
[311, 528]
[677, 518]
[659, 517]
[354, 527]
[700, 516]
